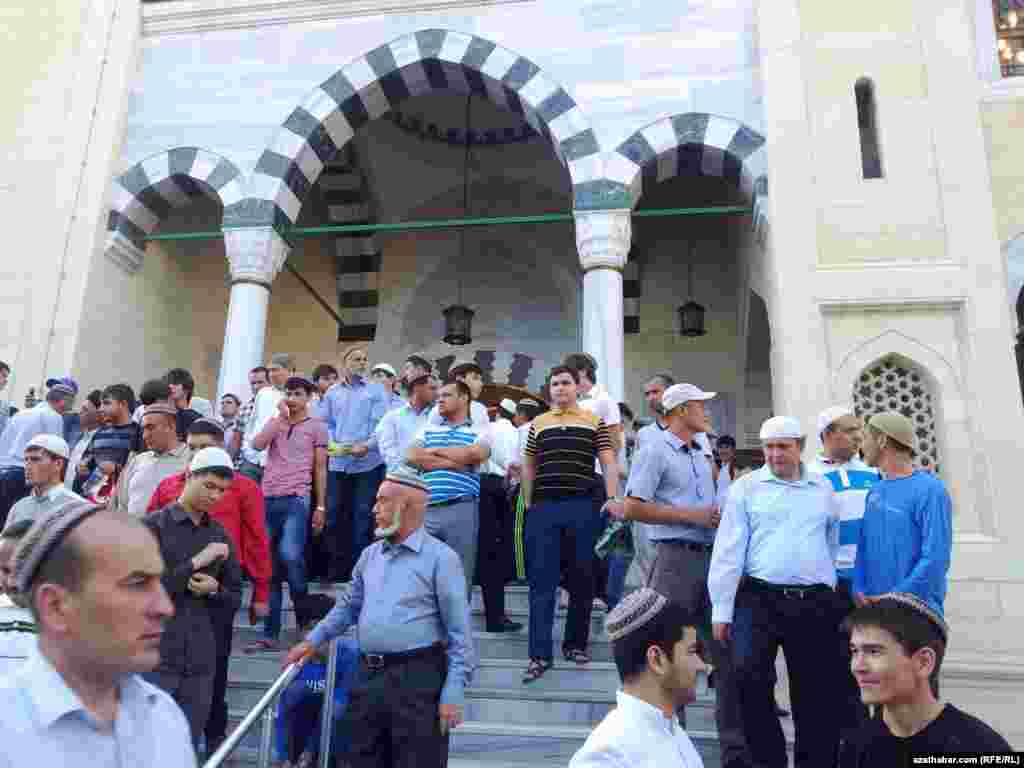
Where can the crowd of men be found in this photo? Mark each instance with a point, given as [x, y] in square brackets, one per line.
[127, 533]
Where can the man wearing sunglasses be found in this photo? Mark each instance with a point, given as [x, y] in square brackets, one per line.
[671, 488]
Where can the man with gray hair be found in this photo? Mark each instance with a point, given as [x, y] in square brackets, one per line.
[771, 583]
[92, 580]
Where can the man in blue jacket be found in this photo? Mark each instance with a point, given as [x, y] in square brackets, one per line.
[297, 731]
[907, 533]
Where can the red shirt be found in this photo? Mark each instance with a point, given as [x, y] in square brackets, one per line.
[240, 511]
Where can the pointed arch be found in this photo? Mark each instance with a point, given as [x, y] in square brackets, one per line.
[689, 144]
[415, 64]
[142, 196]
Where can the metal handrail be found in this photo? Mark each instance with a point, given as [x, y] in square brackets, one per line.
[265, 711]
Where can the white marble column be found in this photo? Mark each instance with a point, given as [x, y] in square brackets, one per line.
[603, 240]
[255, 257]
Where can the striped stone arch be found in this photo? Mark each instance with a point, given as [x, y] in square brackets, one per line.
[142, 196]
[371, 85]
[691, 144]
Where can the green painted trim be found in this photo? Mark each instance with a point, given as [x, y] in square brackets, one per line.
[408, 226]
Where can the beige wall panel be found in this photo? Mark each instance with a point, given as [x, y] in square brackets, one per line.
[1004, 129]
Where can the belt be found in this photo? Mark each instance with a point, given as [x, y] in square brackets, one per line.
[797, 591]
[693, 546]
[378, 661]
[450, 502]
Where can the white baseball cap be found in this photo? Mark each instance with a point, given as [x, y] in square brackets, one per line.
[678, 394]
[211, 458]
[388, 369]
[781, 428]
[50, 443]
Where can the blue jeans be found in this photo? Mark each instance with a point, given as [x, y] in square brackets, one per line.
[287, 528]
[350, 501]
[618, 566]
[547, 523]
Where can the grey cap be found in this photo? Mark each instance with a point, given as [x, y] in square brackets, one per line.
[44, 536]
[282, 360]
[408, 475]
[633, 611]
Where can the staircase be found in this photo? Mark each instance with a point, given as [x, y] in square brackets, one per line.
[508, 724]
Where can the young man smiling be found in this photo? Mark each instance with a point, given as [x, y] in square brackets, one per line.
[897, 643]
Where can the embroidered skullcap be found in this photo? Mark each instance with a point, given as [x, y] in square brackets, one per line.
[162, 409]
[633, 611]
[918, 605]
[300, 382]
[64, 384]
[206, 420]
[44, 536]
[405, 474]
[781, 428]
[831, 415]
[529, 402]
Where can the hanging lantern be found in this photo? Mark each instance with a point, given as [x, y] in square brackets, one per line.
[458, 325]
[691, 314]
[691, 319]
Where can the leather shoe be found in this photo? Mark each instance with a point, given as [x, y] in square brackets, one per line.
[507, 625]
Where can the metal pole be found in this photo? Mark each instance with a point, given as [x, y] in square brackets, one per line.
[327, 710]
[268, 698]
[266, 736]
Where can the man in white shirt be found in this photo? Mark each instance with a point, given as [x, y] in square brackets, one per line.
[658, 658]
[100, 605]
[17, 627]
[494, 544]
[279, 369]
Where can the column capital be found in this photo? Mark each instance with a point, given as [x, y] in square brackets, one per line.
[255, 255]
[603, 238]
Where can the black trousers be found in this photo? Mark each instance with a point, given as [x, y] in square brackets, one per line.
[394, 715]
[12, 489]
[494, 548]
[192, 692]
[217, 723]
[807, 630]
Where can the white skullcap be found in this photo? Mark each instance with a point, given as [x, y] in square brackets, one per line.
[507, 405]
[211, 458]
[781, 428]
[51, 444]
[386, 368]
[831, 415]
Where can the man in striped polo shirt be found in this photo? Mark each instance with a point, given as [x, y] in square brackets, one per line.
[450, 454]
[558, 481]
[840, 431]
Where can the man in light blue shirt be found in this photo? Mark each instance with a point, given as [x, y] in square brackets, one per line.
[672, 490]
[353, 408]
[410, 605]
[46, 418]
[771, 582]
[79, 699]
[398, 427]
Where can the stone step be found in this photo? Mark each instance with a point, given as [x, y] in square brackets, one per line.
[263, 668]
[477, 744]
[597, 631]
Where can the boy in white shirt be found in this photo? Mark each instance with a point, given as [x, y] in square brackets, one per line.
[658, 657]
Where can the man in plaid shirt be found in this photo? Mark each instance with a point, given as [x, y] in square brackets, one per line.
[258, 379]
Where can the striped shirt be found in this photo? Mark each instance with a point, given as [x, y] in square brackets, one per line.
[851, 481]
[117, 442]
[564, 445]
[444, 484]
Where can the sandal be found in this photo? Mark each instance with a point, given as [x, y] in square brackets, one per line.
[577, 655]
[262, 646]
[536, 670]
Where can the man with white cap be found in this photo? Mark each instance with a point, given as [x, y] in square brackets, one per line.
[771, 583]
[672, 490]
[92, 580]
[200, 568]
[494, 544]
[386, 375]
[840, 432]
[46, 418]
[46, 459]
[906, 538]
